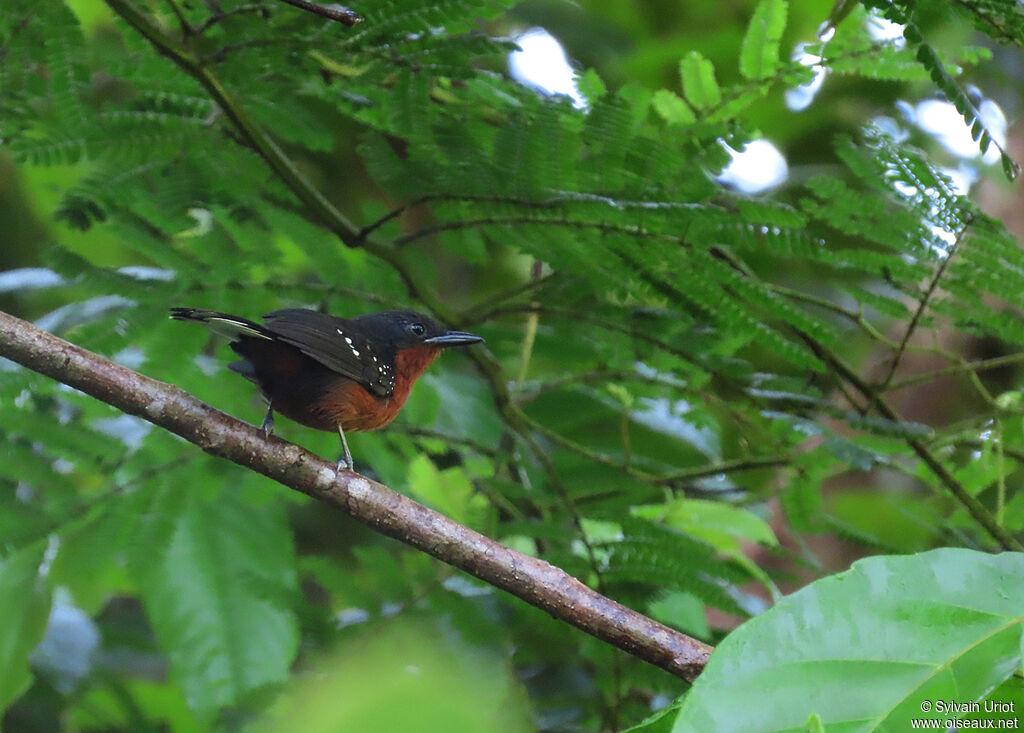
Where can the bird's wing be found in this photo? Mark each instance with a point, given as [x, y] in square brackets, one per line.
[223, 324]
[336, 343]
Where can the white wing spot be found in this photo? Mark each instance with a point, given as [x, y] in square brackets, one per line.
[340, 332]
[355, 351]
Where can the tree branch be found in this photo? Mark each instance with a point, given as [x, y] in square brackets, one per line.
[528, 578]
[996, 362]
[922, 306]
[335, 12]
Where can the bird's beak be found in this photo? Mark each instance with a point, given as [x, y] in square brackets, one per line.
[454, 338]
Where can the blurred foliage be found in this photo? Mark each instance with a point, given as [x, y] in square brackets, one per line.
[687, 396]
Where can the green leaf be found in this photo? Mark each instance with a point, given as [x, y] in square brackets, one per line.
[448, 491]
[814, 724]
[337, 67]
[682, 610]
[23, 614]
[759, 54]
[959, 97]
[591, 86]
[712, 521]
[699, 85]
[720, 525]
[660, 722]
[672, 108]
[218, 599]
[877, 640]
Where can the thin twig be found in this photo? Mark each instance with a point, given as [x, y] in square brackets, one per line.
[724, 467]
[240, 10]
[336, 13]
[923, 304]
[477, 313]
[998, 30]
[464, 198]
[971, 366]
[974, 444]
[601, 226]
[857, 318]
[186, 28]
[393, 214]
[529, 332]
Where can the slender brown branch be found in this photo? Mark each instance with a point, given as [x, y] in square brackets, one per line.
[219, 17]
[735, 465]
[980, 365]
[492, 302]
[528, 578]
[335, 13]
[978, 445]
[992, 20]
[922, 306]
[464, 198]
[186, 27]
[521, 220]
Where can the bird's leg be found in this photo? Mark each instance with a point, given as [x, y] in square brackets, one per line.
[346, 460]
[268, 420]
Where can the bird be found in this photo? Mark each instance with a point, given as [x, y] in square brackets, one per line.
[330, 373]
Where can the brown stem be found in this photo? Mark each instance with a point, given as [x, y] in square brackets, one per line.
[528, 578]
[339, 14]
[922, 305]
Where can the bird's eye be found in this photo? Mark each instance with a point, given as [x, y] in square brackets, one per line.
[417, 329]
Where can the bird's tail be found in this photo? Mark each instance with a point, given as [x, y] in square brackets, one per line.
[223, 324]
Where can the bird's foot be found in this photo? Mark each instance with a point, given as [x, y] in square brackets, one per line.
[346, 457]
[268, 422]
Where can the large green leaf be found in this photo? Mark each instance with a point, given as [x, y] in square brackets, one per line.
[218, 598]
[24, 605]
[866, 648]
